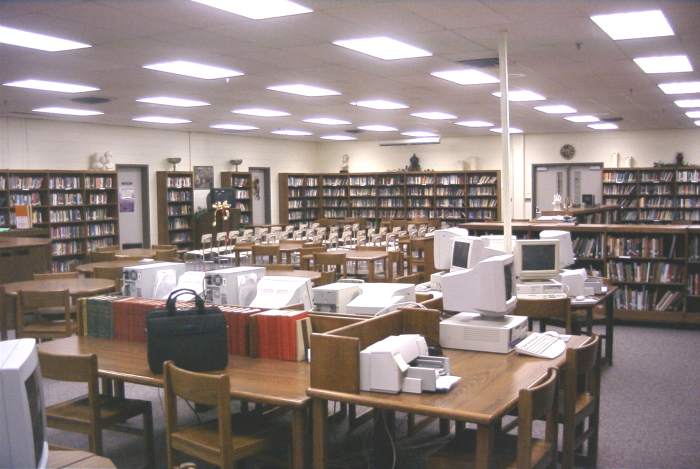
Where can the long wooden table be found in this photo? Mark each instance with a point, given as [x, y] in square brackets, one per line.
[487, 392]
[607, 301]
[273, 382]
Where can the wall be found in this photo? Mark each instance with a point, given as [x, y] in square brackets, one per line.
[46, 144]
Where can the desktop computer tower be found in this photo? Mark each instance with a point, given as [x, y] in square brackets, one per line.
[152, 280]
[234, 286]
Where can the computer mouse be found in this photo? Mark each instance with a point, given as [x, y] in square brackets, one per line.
[580, 298]
[553, 333]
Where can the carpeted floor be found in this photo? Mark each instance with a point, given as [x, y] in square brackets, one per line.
[650, 411]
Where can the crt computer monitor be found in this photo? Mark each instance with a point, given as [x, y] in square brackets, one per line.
[278, 292]
[442, 246]
[467, 252]
[487, 288]
[22, 418]
[566, 249]
[536, 259]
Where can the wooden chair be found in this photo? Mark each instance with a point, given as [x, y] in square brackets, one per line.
[414, 278]
[43, 305]
[548, 311]
[520, 451]
[168, 255]
[581, 401]
[224, 441]
[278, 267]
[330, 262]
[94, 412]
[306, 255]
[162, 247]
[110, 273]
[96, 256]
[53, 275]
[270, 253]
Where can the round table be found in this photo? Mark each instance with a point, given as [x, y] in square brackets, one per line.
[76, 287]
[89, 269]
[135, 252]
[310, 274]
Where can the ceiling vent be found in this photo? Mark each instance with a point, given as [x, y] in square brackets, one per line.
[611, 119]
[91, 100]
[354, 131]
[489, 62]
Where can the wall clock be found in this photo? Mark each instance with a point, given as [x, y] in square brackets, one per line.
[567, 151]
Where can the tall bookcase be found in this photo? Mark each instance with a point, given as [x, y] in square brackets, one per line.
[242, 183]
[79, 209]
[452, 196]
[175, 208]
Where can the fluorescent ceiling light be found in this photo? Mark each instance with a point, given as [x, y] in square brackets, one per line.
[304, 90]
[17, 37]
[421, 140]
[257, 9]
[68, 111]
[326, 121]
[634, 25]
[582, 118]
[521, 95]
[664, 64]
[433, 115]
[51, 86]
[378, 128]
[697, 123]
[475, 124]
[260, 112]
[383, 47]
[193, 69]
[693, 114]
[379, 104]
[687, 102]
[291, 132]
[233, 127]
[683, 87]
[467, 76]
[168, 101]
[513, 130]
[556, 109]
[419, 133]
[603, 126]
[338, 137]
[161, 120]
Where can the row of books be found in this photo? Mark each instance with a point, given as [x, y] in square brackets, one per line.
[426, 203]
[334, 192]
[361, 180]
[622, 202]
[454, 191]
[37, 217]
[66, 232]
[479, 180]
[70, 198]
[659, 246]
[363, 192]
[33, 198]
[295, 181]
[588, 246]
[655, 190]
[694, 284]
[418, 191]
[657, 215]
[686, 189]
[178, 224]
[449, 203]
[644, 299]
[26, 182]
[391, 202]
[334, 213]
[65, 248]
[64, 265]
[180, 237]
[424, 180]
[303, 215]
[655, 202]
[241, 205]
[96, 214]
[242, 194]
[179, 196]
[645, 272]
[363, 213]
[93, 244]
[450, 180]
[656, 176]
[693, 216]
[61, 216]
[689, 202]
[283, 335]
[64, 182]
[688, 175]
[483, 214]
[618, 177]
[239, 181]
[418, 213]
[490, 203]
[101, 229]
[390, 192]
[335, 203]
[174, 210]
[618, 190]
[482, 191]
[363, 203]
[179, 182]
[390, 180]
[334, 181]
[99, 182]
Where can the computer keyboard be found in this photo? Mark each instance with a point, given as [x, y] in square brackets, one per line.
[541, 296]
[541, 345]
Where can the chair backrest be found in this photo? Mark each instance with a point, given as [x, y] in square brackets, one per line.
[330, 262]
[582, 373]
[102, 256]
[52, 275]
[271, 252]
[111, 248]
[31, 301]
[537, 401]
[558, 308]
[110, 273]
[275, 229]
[74, 369]
[221, 238]
[166, 255]
[201, 388]
[163, 246]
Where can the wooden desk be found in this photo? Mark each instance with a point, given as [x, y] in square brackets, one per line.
[21, 258]
[135, 252]
[488, 391]
[273, 382]
[77, 287]
[370, 257]
[68, 459]
[89, 269]
[607, 300]
[310, 274]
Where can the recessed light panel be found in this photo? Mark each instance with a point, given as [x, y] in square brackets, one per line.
[383, 47]
[338, 137]
[664, 64]
[513, 130]
[260, 112]
[693, 114]
[296, 133]
[697, 123]
[684, 87]
[378, 128]
[419, 133]
[257, 9]
[603, 126]
[582, 118]
[45, 85]
[467, 76]
[379, 104]
[433, 115]
[326, 121]
[233, 127]
[634, 25]
[193, 69]
[68, 111]
[168, 101]
[687, 103]
[556, 109]
[521, 95]
[161, 120]
[303, 90]
[17, 37]
[475, 124]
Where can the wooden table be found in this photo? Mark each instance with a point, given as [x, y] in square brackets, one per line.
[273, 382]
[21, 258]
[69, 459]
[135, 252]
[488, 391]
[77, 287]
[310, 274]
[370, 257]
[287, 248]
[607, 300]
[89, 269]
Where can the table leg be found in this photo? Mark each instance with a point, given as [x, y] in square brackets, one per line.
[298, 437]
[609, 326]
[320, 414]
[387, 273]
[3, 316]
[484, 445]
[370, 271]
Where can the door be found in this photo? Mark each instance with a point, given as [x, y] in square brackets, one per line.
[133, 206]
[260, 178]
[571, 181]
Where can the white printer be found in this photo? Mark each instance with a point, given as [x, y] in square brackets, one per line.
[472, 331]
[151, 280]
[377, 296]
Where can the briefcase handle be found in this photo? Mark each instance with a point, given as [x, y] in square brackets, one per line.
[172, 298]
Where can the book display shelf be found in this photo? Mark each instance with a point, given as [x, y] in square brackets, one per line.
[175, 208]
[79, 209]
[452, 196]
[656, 268]
[242, 184]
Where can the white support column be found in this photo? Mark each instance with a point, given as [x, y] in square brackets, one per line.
[506, 196]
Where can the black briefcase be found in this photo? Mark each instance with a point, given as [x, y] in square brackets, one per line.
[195, 339]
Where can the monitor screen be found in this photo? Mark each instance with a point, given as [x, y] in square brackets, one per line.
[36, 411]
[508, 274]
[538, 257]
[460, 254]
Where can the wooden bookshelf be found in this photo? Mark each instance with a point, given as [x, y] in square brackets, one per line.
[243, 185]
[299, 197]
[175, 208]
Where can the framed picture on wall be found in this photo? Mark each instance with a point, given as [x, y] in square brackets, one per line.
[203, 177]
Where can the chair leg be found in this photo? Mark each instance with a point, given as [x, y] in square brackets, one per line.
[96, 441]
[567, 460]
[543, 325]
[148, 436]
